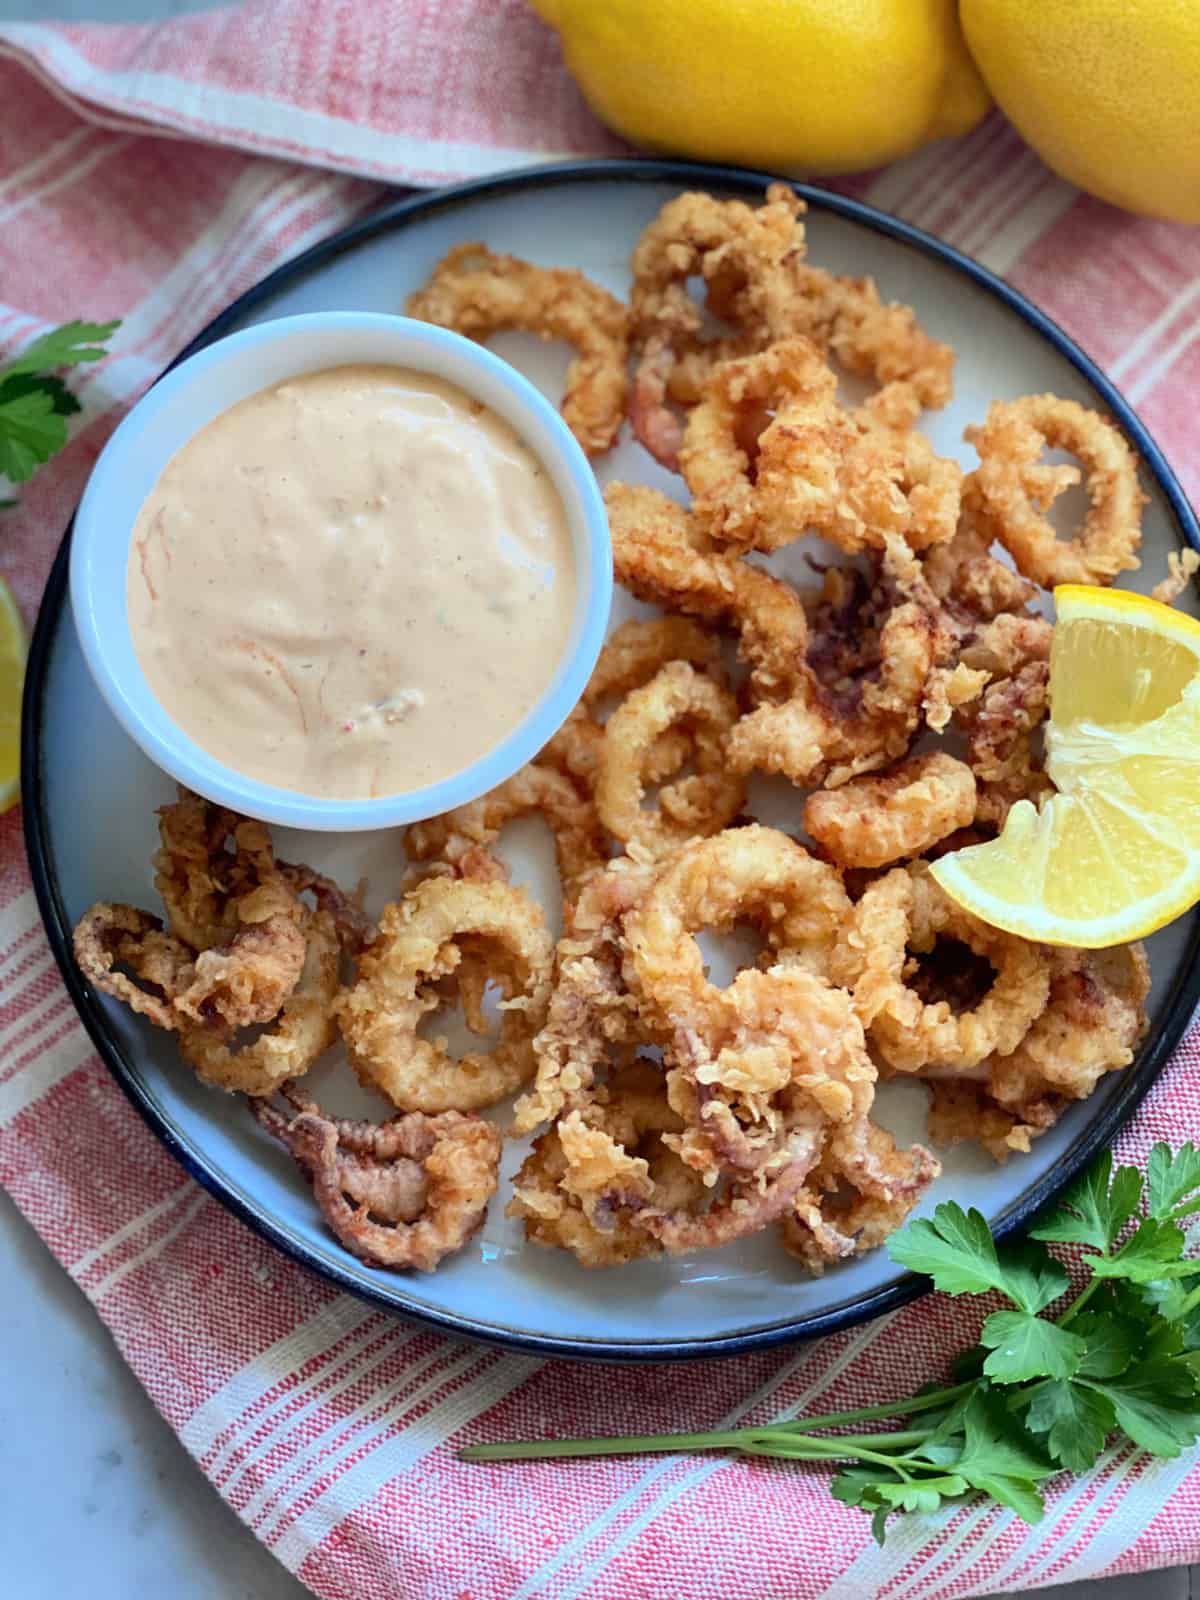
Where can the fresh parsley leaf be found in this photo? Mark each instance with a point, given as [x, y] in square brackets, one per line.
[868, 1489]
[1171, 1298]
[1075, 1420]
[1157, 1403]
[1173, 1180]
[31, 430]
[956, 1249]
[68, 346]
[64, 402]
[1112, 1343]
[1094, 1210]
[1154, 1251]
[1025, 1346]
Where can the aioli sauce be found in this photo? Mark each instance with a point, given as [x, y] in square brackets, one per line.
[352, 584]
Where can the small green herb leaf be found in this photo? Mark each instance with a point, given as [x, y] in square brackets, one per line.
[68, 346]
[956, 1249]
[1093, 1212]
[64, 402]
[1157, 1405]
[1152, 1252]
[1025, 1346]
[1112, 1343]
[1075, 1420]
[31, 430]
[1173, 1180]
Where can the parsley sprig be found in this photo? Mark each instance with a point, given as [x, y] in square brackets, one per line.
[35, 403]
[1042, 1392]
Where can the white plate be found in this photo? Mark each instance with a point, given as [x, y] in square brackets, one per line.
[90, 798]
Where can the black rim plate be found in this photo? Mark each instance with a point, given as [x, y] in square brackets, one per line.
[394, 218]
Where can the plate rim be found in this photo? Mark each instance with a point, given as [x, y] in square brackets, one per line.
[394, 216]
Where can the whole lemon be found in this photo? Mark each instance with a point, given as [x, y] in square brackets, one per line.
[1106, 91]
[789, 85]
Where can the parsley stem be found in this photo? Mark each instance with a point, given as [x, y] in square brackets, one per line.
[879, 1413]
[800, 1446]
[1080, 1300]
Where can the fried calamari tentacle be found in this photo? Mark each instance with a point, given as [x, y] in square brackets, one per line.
[1016, 489]
[226, 896]
[857, 704]
[745, 1207]
[417, 1195]
[534, 790]
[787, 1052]
[745, 257]
[417, 946]
[698, 804]
[591, 1011]
[576, 1187]
[355, 929]
[109, 938]
[859, 1194]
[967, 579]
[1092, 1023]
[478, 293]
[290, 1044]
[872, 822]
[907, 912]
[769, 455]
[1182, 566]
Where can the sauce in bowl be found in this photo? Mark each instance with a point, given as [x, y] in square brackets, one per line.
[354, 583]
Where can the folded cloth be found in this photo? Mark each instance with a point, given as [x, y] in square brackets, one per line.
[153, 173]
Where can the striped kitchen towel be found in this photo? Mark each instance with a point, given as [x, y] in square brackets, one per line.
[153, 173]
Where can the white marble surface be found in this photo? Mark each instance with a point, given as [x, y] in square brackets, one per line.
[97, 1497]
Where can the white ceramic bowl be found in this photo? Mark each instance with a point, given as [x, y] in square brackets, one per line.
[199, 389]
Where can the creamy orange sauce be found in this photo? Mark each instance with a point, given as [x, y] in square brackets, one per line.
[354, 583]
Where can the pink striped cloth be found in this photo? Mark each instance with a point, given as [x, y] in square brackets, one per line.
[153, 173]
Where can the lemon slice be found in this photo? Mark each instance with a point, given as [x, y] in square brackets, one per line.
[1115, 853]
[12, 678]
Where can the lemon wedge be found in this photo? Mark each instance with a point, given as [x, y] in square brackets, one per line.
[1115, 853]
[12, 678]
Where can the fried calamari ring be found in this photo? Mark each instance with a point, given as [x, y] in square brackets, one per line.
[1092, 1023]
[111, 937]
[769, 455]
[859, 1194]
[402, 1195]
[752, 874]
[907, 911]
[661, 555]
[578, 838]
[701, 803]
[871, 822]
[745, 256]
[478, 293]
[591, 1012]
[1016, 489]
[780, 406]
[291, 1043]
[417, 946]
[847, 318]
[631, 656]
